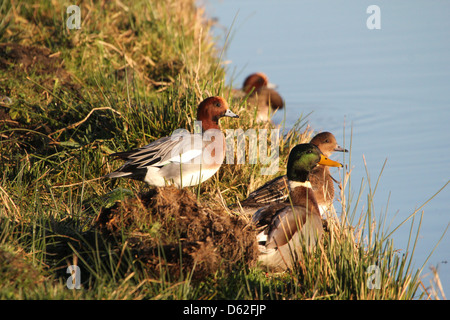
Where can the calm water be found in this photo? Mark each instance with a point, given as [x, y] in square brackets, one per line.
[391, 85]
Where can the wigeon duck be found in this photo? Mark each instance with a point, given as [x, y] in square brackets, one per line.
[183, 159]
[276, 190]
[288, 227]
[262, 94]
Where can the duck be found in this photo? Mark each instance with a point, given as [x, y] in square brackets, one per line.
[183, 159]
[276, 190]
[260, 93]
[288, 227]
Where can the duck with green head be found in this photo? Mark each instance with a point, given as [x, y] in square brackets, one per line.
[288, 227]
[276, 190]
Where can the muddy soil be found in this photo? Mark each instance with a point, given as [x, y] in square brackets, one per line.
[169, 230]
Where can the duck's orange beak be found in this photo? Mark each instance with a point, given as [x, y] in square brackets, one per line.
[328, 162]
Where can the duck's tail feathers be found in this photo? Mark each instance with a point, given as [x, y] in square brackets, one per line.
[137, 174]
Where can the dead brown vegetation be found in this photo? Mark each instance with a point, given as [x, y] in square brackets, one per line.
[169, 230]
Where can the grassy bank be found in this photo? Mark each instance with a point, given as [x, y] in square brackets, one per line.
[135, 72]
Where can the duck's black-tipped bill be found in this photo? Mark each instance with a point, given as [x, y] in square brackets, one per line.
[340, 149]
[230, 114]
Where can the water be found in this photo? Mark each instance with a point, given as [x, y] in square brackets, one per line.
[391, 86]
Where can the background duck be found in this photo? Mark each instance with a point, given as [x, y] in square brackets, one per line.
[161, 162]
[276, 190]
[321, 180]
[290, 226]
[261, 94]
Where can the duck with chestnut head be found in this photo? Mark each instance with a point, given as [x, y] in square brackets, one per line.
[261, 95]
[182, 159]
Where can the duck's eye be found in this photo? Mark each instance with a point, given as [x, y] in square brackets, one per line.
[326, 141]
[218, 104]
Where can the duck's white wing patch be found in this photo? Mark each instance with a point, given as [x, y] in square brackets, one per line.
[185, 156]
[188, 147]
[181, 146]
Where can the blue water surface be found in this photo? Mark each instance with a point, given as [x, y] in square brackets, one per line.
[390, 87]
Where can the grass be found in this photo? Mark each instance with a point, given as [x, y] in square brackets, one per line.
[134, 72]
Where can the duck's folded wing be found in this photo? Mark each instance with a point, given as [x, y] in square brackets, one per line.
[265, 215]
[281, 222]
[180, 147]
[287, 222]
[274, 191]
